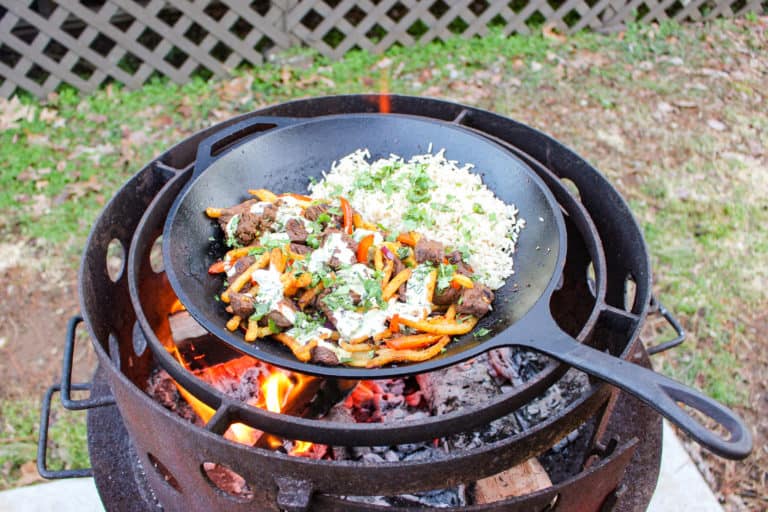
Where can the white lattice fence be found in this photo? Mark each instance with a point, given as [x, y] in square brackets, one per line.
[85, 43]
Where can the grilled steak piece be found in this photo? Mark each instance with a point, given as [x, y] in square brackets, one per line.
[238, 209]
[314, 211]
[242, 304]
[280, 320]
[241, 265]
[322, 355]
[428, 250]
[320, 304]
[399, 267]
[475, 301]
[251, 225]
[300, 249]
[447, 296]
[462, 268]
[296, 230]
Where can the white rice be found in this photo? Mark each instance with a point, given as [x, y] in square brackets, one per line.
[460, 211]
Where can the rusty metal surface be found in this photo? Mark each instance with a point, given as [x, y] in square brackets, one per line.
[182, 448]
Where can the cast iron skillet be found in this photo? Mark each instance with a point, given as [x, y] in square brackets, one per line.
[281, 154]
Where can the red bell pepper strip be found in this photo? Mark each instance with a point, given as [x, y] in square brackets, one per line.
[217, 268]
[362, 249]
[346, 209]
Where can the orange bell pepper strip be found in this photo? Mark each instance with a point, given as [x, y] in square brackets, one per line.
[407, 239]
[346, 210]
[217, 268]
[363, 247]
[394, 323]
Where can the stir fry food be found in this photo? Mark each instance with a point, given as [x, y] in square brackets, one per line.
[336, 289]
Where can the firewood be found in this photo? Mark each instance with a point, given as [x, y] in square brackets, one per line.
[522, 479]
[184, 327]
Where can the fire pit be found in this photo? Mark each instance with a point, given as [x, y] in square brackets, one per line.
[196, 425]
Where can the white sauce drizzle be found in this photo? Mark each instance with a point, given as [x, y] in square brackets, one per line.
[334, 246]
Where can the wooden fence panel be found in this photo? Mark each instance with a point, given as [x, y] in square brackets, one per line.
[86, 43]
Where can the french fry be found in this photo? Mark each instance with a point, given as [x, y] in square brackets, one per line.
[309, 295]
[303, 201]
[386, 333]
[378, 261]
[302, 352]
[239, 252]
[243, 278]
[356, 341]
[294, 283]
[386, 356]
[214, 213]
[233, 323]
[255, 332]
[263, 195]
[412, 341]
[277, 260]
[357, 221]
[440, 327]
[450, 315]
[360, 347]
[387, 272]
[431, 283]
[463, 280]
[395, 283]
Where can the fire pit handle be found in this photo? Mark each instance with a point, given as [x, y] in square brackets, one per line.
[659, 308]
[42, 441]
[66, 376]
[209, 150]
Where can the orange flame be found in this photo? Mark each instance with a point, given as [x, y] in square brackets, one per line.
[384, 98]
[277, 390]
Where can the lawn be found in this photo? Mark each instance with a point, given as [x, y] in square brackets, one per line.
[673, 115]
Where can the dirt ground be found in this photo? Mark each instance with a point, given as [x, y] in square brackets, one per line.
[33, 329]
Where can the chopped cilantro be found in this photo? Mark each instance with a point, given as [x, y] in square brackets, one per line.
[260, 310]
[416, 217]
[273, 326]
[257, 251]
[479, 333]
[313, 241]
[477, 208]
[444, 276]
[231, 230]
[465, 253]
[492, 216]
[403, 252]
[323, 218]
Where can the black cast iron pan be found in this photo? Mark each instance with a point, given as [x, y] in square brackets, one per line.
[282, 154]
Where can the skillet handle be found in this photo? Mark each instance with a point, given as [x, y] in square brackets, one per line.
[211, 148]
[656, 390]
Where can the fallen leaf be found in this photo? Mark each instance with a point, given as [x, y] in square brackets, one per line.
[716, 125]
[685, 103]
[29, 474]
[550, 31]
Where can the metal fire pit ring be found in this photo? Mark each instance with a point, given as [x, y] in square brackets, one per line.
[146, 285]
[110, 320]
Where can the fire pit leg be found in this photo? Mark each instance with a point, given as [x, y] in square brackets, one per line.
[293, 495]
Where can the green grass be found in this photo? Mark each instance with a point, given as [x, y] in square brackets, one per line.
[18, 439]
